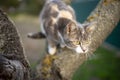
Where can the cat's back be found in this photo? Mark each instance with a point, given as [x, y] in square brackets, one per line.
[59, 4]
[53, 8]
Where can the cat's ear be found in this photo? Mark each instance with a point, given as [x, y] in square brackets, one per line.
[89, 27]
[70, 27]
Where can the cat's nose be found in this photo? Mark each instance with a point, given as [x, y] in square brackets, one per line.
[84, 49]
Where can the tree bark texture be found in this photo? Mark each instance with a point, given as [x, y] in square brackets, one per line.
[13, 64]
[106, 15]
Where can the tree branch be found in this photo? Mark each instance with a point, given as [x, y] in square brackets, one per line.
[13, 64]
[106, 15]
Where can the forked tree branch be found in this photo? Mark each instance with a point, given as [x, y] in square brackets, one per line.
[106, 15]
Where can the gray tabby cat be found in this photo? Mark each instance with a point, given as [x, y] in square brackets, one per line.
[59, 26]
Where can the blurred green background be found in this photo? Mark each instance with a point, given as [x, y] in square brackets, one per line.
[103, 65]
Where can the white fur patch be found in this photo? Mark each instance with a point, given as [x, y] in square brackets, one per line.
[52, 50]
[79, 49]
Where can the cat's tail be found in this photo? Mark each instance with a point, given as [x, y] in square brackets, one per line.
[37, 35]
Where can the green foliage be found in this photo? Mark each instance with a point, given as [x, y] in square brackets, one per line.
[9, 3]
[104, 66]
[34, 6]
[24, 6]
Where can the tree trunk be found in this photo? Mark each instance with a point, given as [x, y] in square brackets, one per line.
[13, 64]
[64, 64]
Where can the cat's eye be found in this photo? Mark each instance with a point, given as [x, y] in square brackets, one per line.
[76, 42]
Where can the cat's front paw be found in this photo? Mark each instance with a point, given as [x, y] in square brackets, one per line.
[52, 50]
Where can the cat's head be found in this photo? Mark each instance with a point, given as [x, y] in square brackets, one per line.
[77, 36]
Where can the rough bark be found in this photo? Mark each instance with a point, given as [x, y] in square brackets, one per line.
[106, 15]
[13, 64]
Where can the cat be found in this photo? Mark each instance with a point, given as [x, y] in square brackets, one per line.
[59, 26]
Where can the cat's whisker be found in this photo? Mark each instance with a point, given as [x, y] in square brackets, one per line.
[90, 56]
